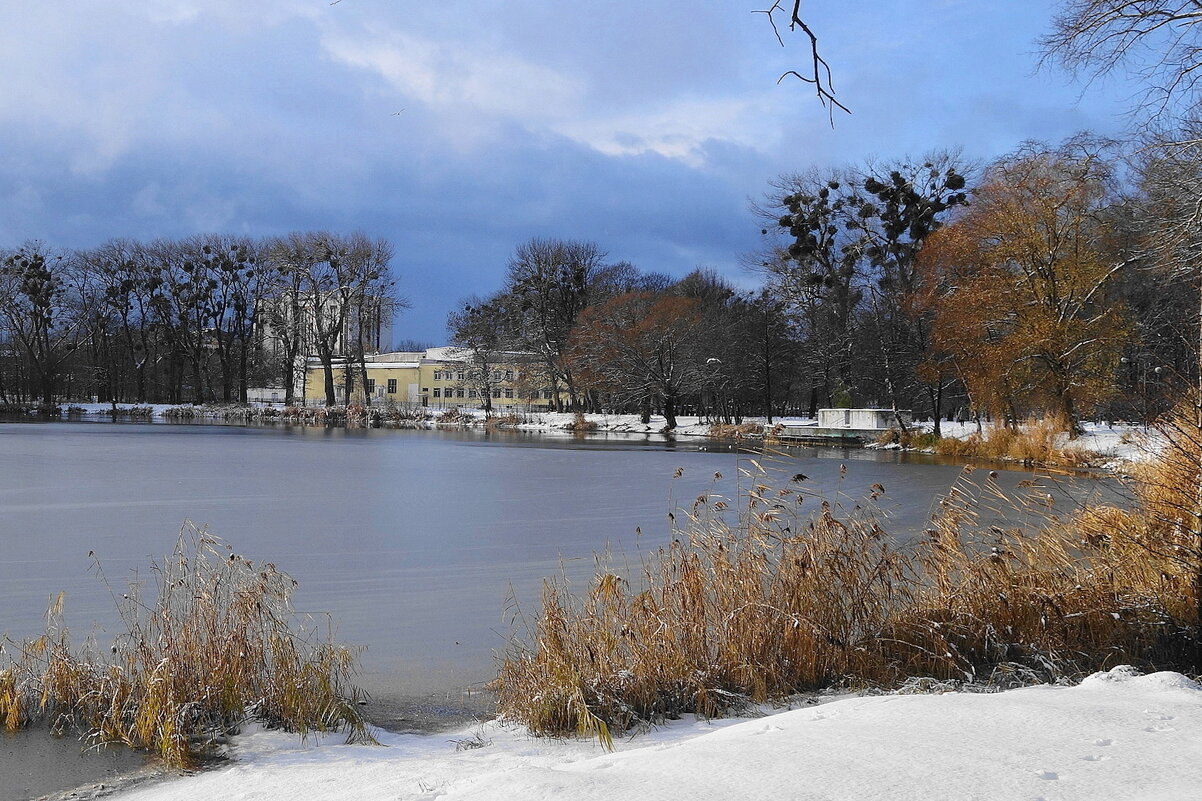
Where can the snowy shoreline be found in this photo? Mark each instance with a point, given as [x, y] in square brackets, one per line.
[1114, 444]
[1117, 735]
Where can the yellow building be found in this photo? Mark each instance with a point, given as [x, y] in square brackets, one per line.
[439, 377]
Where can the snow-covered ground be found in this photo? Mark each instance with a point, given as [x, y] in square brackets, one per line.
[1114, 442]
[1117, 735]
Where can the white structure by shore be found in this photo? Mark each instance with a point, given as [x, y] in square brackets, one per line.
[866, 419]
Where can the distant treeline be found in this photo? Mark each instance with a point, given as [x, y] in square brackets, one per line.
[1048, 281]
[1040, 283]
[198, 319]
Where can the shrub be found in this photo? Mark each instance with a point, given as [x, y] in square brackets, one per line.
[215, 647]
[502, 421]
[913, 439]
[731, 431]
[581, 424]
[1039, 441]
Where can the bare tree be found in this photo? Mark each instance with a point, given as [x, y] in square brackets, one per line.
[550, 281]
[1159, 42]
[481, 327]
[39, 310]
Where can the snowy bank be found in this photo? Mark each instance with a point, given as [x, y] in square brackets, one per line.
[1117, 735]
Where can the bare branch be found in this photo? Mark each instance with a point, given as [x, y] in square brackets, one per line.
[819, 73]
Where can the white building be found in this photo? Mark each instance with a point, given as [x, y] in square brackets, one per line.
[863, 419]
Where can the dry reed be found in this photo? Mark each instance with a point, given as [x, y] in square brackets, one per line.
[1039, 441]
[214, 648]
[502, 421]
[735, 431]
[997, 589]
[581, 424]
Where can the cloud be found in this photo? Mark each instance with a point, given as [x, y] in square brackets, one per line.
[681, 130]
[475, 87]
[459, 75]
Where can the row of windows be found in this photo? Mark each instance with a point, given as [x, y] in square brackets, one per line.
[371, 386]
[450, 392]
[457, 392]
[460, 375]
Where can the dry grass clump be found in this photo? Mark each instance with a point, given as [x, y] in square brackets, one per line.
[779, 602]
[502, 421]
[733, 431]
[581, 425]
[914, 439]
[1039, 441]
[133, 412]
[215, 648]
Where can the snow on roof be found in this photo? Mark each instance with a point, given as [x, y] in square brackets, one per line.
[412, 358]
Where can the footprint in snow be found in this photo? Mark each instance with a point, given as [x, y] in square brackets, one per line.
[1159, 729]
[1048, 775]
[1103, 742]
[1095, 758]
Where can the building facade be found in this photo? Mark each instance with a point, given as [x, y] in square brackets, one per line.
[445, 377]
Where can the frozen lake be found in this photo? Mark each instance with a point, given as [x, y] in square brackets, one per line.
[411, 540]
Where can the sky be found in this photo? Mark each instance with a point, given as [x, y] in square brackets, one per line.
[459, 129]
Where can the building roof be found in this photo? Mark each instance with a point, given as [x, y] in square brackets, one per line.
[415, 358]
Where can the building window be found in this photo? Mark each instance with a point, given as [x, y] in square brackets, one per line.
[546, 394]
[509, 393]
[392, 386]
[509, 375]
[460, 376]
[496, 393]
[371, 385]
[437, 392]
[459, 392]
[471, 393]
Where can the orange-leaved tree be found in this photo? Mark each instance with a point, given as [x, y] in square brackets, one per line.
[1025, 313]
[641, 348]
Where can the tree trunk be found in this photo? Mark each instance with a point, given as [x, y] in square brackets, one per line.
[1197, 445]
[327, 368]
[198, 390]
[937, 407]
[243, 358]
[669, 413]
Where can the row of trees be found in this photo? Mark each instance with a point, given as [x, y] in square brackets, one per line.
[602, 335]
[198, 319]
[1030, 285]
[1035, 291]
